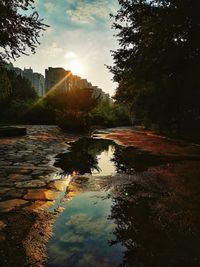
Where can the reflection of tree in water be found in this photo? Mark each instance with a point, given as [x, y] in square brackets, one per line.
[82, 157]
[130, 160]
[147, 240]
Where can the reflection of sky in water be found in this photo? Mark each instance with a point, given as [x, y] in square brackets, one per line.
[82, 233]
[106, 166]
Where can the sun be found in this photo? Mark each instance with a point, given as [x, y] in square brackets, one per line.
[75, 67]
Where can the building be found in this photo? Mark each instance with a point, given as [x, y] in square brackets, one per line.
[37, 80]
[58, 78]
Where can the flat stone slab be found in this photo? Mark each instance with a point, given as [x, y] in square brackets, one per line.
[12, 131]
[30, 184]
[41, 194]
[8, 205]
[40, 205]
[59, 185]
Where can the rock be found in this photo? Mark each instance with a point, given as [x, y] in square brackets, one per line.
[58, 185]
[14, 193]
[8, 205]
[3, 190]
[30, 184]
[2, 225]
[12, 131]
[40, 205]
[41, 194]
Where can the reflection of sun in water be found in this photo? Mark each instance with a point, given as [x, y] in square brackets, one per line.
[75, 67]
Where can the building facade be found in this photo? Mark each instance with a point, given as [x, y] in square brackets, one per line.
[58, 78]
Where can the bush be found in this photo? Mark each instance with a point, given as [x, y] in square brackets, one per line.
[110, 116]
[39, 113]
[71, 120]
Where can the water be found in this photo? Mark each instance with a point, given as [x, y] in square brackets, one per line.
[82, 233]
[103, 157]
[110, 222]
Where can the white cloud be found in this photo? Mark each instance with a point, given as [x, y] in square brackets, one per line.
[53, 50]
[86, 13]
[50, 7]
[70, 55]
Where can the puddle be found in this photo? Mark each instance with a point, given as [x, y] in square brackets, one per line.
[122, 230]
[82, 234]
[100, 157]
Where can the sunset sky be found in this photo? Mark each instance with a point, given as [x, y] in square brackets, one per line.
[79, 38]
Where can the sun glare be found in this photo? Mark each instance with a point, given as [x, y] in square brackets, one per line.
[75, 67]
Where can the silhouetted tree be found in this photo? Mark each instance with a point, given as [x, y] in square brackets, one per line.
[73, 107]
[157, 64]
[21, 88]
[5, 86]
[19, 28]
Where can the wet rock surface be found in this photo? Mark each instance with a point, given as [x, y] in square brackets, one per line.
[27, 171]
[156, 210]
[29, 184]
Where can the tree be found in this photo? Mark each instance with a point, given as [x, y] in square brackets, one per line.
[19, 28]
[72, 107]
[5, 86]
[21, 88]
[158, 61]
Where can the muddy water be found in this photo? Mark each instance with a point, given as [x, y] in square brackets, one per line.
[111, 215]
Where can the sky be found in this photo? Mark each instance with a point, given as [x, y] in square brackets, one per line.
[79, 38]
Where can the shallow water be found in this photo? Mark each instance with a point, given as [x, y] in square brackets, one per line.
[120, 227]
[103, 157]
[82, 233]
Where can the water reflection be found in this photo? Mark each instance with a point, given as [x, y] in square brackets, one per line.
[81, 234]
[104, 157]
[148, 240]
[83, 156]
[135, 234]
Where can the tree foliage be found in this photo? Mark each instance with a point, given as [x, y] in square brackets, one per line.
[75, 99]
[158, 62]
[72, 107]
[21, 88]
[5, 86]
[20, 28]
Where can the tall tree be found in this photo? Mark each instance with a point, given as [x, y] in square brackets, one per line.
[5, 85]
[20, 28]
[158, 61]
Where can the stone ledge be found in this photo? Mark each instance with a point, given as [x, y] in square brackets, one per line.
[12, 131]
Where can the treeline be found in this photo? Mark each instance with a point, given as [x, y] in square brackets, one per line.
[158, 63]
[74, 110]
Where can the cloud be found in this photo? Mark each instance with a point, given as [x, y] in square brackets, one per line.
[89, 12]
[53, 50]
[50, 7]
[70, 55]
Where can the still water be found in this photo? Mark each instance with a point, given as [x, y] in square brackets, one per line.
[102, 229]
[82, 234]
[100, 157]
